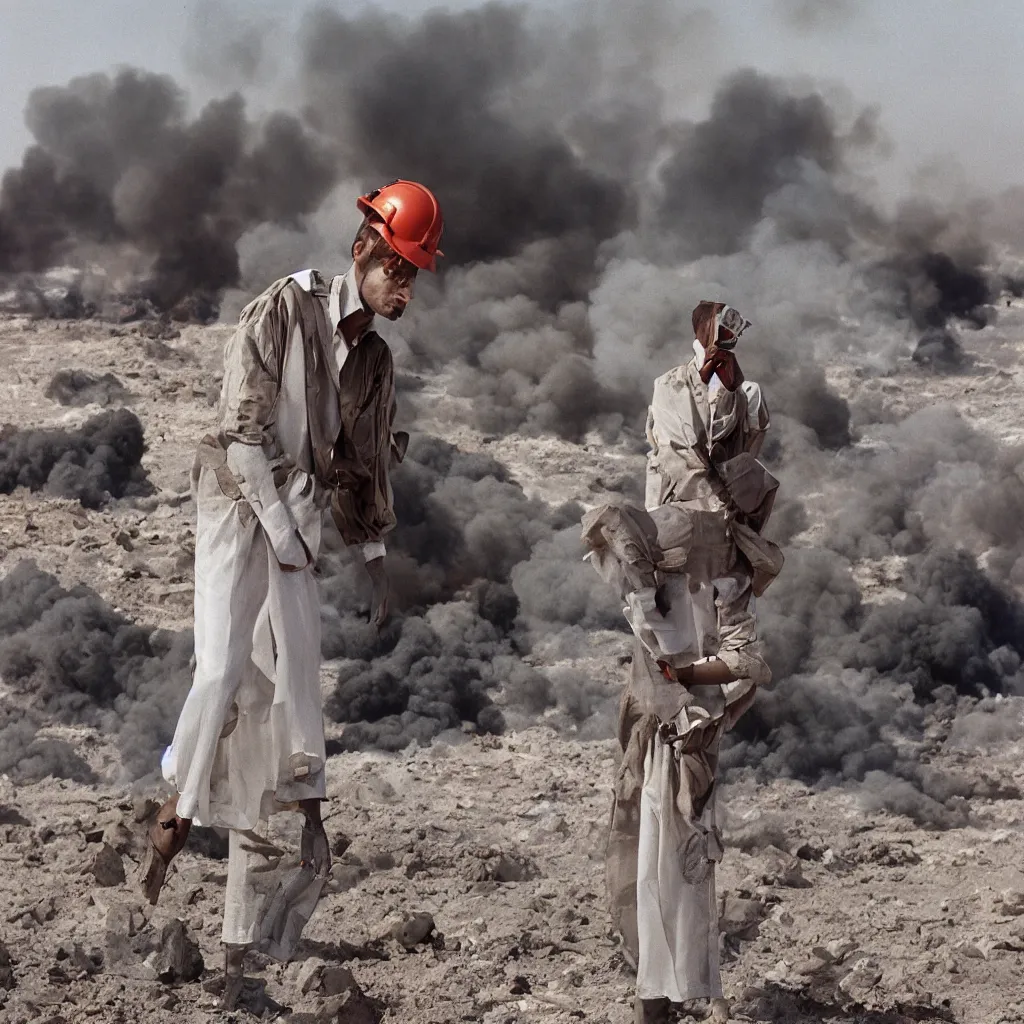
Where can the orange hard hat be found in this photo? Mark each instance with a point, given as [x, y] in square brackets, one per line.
[410, 220]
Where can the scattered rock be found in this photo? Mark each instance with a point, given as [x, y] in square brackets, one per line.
[1014, 941]
[346, 876]
[494, 865]
[373, 790]
[316, 976]
[890, 855]
[107, 867]
[122, 922]
[410, 930]
[740, 919]
[134, 949]
[1011, 902]
[6, 969]
[861, 980]
[969, 949]
[118, 836]
[344, 1001]
[835, 862]
[808, 851]
[45, 910]
[839, 949]
[338, 980]
[177, 958]
[776, 867]
[79, 387]
[310, 975]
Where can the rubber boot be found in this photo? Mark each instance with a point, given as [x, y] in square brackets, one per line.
[234, 974]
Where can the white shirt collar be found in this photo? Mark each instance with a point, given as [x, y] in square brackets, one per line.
[345, 299]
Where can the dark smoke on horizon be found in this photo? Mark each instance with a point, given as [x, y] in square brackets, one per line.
[118, 168]
[70, 658]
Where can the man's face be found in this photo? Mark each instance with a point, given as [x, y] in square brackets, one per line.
[387, 285]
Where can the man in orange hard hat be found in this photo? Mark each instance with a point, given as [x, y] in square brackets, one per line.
[305, 423]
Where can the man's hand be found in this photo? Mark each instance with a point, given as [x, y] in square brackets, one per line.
[297, 568]
[381, 592]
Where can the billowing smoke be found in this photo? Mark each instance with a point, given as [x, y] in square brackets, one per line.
[433, 99]
[120, 175]
[867, 690]
[455, 644]
[757, 141]
[67, 657]
[93, 463]
[816, 15]
[939, 349]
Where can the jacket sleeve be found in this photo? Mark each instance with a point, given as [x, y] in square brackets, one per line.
[758, 417]
[252, 376]
[364, 512]
[677, 472]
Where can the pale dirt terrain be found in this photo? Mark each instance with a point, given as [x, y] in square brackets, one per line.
[832, 912]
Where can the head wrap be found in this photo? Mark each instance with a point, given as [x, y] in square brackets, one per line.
[708, 320]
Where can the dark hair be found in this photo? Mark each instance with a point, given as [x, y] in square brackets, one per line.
[379, 249]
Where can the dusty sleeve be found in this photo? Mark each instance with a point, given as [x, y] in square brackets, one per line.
[252, 371]
[252, 473]
[758, 418]
[677, 473]
[364, 512]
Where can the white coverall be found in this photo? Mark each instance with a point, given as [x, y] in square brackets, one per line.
[250, 737]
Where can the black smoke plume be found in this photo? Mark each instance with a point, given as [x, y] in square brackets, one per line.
[453, 652]
[867, 692]
[118, 168]
[429, 99]
[940, 350]
[69, 658]
[94, 463]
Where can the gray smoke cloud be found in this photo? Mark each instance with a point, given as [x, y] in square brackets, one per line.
[93, 463]
[816, 15]
[120, 174]
[453, 651]
[866, 691]
[68, 657]
[430, 99]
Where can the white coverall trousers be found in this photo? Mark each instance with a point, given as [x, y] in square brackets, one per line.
[250, 737]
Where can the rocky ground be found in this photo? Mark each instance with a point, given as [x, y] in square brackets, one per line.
[468, 878]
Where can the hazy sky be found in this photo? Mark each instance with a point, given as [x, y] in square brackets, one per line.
[948, 74]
